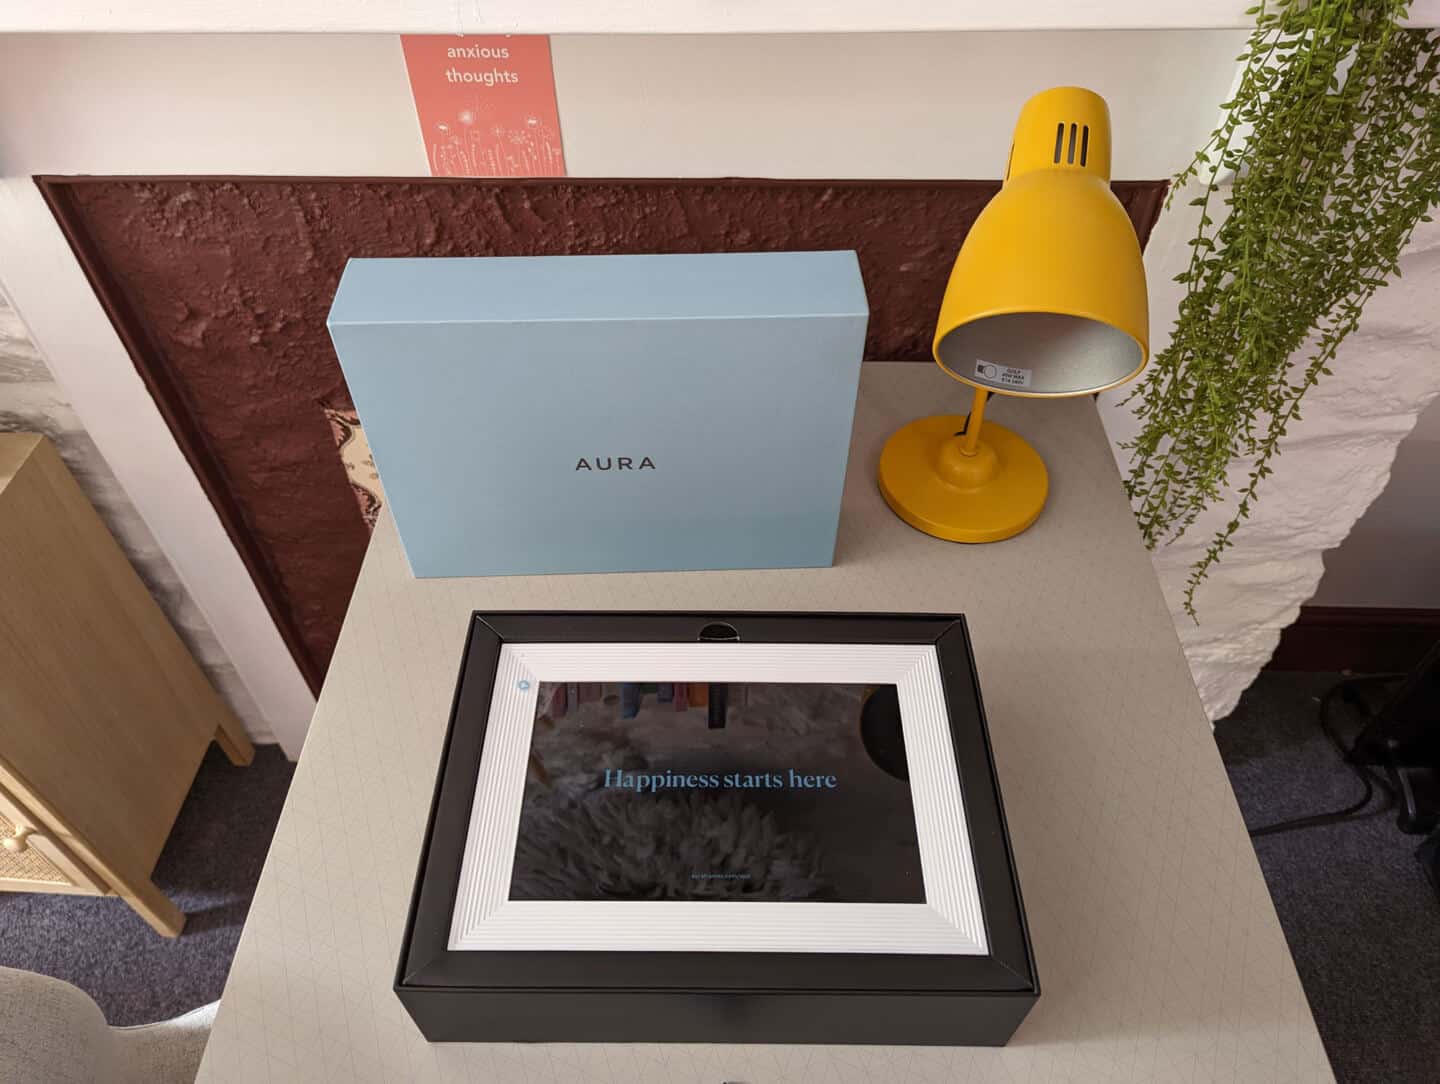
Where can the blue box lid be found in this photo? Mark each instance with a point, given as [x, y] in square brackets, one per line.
[607, 413]
[525, 289]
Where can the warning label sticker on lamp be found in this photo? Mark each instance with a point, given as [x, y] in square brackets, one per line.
[1007, 376]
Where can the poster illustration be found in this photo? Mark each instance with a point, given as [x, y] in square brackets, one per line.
[486, 104]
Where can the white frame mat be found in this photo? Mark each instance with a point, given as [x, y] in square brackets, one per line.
[949, 922]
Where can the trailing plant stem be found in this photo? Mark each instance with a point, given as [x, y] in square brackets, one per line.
[1333, 137]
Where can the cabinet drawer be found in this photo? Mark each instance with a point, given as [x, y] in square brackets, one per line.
[32, 861]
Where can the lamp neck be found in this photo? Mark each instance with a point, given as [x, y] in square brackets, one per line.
[970, 441]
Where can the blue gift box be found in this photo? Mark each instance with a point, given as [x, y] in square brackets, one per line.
[607, 413]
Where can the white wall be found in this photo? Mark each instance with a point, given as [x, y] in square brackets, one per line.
[629, 16]
[865, 105]
[874, 105]
[1391, 557]
[933, 105]
[626, 16]
[883, 105]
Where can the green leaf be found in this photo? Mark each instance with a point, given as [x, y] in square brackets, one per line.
[1341, 161]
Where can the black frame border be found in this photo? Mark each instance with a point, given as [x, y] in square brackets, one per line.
[426, 963]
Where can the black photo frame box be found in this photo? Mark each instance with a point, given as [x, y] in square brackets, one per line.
[536, 994]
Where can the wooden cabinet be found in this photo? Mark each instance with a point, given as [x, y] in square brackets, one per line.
[104, 715]
[31, 860]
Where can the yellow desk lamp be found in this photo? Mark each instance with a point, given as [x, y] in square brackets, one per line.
[1046, 299]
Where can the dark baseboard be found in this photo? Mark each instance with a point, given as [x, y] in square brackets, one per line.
[1363, 639]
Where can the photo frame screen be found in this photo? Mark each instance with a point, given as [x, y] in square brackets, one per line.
[724, 791]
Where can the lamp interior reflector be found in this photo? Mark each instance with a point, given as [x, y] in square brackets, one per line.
[1039, 353]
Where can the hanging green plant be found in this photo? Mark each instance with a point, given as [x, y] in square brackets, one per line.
[1333, 140]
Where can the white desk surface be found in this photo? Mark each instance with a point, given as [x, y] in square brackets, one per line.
[1159, 953]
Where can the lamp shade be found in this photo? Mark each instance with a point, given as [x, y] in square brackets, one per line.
[1047, 296]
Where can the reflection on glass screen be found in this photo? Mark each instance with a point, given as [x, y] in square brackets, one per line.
[686, 791]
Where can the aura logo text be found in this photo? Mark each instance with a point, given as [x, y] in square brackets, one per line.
[619, 462]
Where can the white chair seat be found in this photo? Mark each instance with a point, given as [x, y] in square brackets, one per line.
[53, 1033]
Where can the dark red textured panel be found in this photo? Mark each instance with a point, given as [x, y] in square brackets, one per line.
[220, 287]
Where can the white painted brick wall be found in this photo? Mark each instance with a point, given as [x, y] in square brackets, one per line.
[1332, 464]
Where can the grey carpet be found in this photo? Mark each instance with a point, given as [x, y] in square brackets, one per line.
[209, 868]
[1361, 917]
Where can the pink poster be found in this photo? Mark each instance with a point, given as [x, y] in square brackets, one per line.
[486, 104]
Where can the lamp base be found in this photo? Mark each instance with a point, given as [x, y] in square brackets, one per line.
[930, 484]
